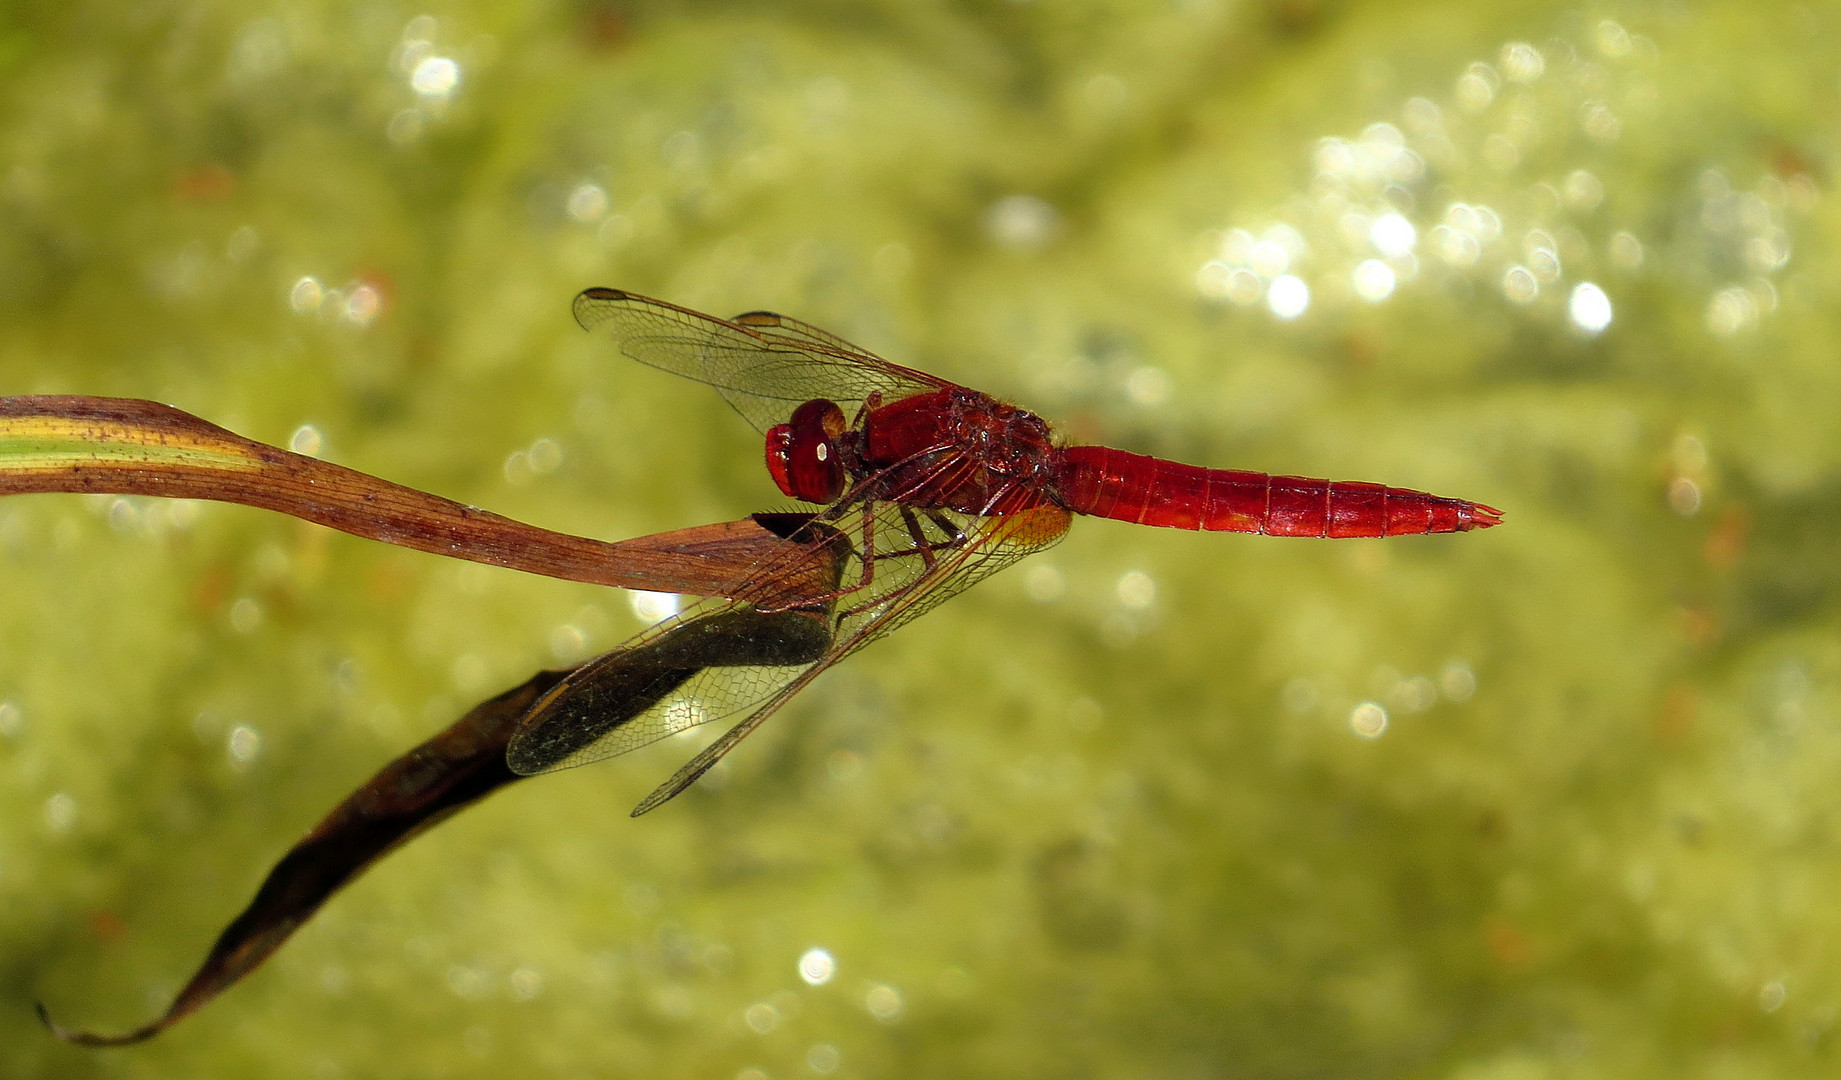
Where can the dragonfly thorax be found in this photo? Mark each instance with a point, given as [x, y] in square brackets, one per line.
[955, 448]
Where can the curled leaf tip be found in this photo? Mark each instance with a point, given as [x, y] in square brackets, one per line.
[91, 1038]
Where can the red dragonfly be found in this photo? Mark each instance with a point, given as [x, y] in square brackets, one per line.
[925, 486]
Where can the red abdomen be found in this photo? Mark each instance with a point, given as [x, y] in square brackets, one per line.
[1111, 483]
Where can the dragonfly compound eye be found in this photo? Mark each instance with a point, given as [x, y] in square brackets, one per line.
[802, 456]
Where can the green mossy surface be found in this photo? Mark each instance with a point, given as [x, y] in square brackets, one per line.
[1075, 837]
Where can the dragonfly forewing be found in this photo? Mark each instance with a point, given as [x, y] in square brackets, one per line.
[764, 364]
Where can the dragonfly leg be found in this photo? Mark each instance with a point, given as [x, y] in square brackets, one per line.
[922, 545]
[868, 554]
[870, 493]
[868, 558]
[955, 535]
[870, 405]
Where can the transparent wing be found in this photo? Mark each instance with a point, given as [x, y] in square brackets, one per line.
[703, 664]
[712, 659]
[722, 659]
[998, 542]
[764, 364]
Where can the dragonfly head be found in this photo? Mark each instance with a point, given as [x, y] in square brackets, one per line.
[802, 454]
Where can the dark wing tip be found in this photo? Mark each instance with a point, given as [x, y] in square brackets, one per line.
[91, 1038]
[655, 800]
[523, 762]
[672, 788]
[758, 318]
[587, 305]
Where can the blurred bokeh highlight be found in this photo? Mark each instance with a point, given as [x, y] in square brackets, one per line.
[1558, 799]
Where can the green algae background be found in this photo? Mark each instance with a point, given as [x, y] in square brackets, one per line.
[1558, 799]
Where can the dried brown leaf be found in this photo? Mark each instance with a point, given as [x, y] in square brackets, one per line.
[454, 769]
[126, 446]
